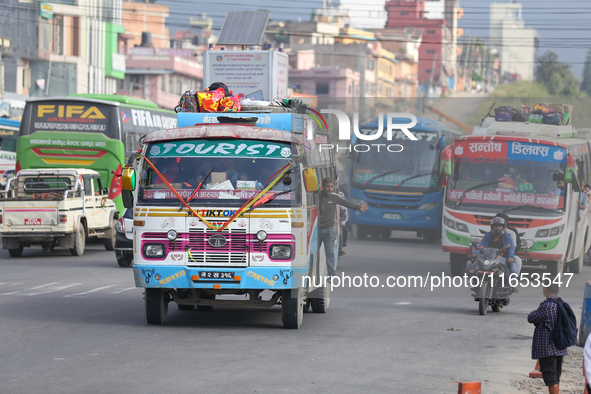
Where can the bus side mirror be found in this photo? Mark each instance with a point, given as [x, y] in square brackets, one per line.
[568, 176]
[447, 167]
[310, 180]
[127, 197]
[128, 179]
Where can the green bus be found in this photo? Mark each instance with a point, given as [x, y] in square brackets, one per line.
[95, 131]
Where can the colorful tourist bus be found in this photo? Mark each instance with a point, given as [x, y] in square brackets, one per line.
[8, 137]
[230, 209]
[403, 190]
[95, 131]
[531, 172]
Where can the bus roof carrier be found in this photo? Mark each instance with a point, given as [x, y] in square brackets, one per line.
[526, 128]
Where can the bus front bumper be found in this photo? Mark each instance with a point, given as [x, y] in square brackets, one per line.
[184, 277]
[410, 220]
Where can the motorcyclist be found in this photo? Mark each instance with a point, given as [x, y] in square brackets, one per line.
[516, 240]
[496, 238]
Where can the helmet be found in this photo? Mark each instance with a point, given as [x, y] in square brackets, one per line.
[496, 221]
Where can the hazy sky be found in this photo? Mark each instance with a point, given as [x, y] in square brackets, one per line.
[563, 25]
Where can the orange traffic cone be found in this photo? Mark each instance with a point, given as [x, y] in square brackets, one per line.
[536, 372]
[469, 388]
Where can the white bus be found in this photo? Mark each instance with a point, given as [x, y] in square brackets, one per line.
[533, 173]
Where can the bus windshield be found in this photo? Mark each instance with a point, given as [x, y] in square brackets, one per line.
[415, 168]
[507, 174]
[237, 169]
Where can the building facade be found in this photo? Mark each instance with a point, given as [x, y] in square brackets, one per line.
[62, 47]
[517, 44]
[404, 13]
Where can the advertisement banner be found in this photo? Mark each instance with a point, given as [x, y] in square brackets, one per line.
[219, 148]
[70, 116]
[144, 121]
[480, 151]
[212, 194]
[536, 154]
[507, 198]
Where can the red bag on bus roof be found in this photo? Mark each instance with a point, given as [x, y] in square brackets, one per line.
[209, 101]
[229, 104]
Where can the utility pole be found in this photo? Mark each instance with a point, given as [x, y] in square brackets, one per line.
[5, 51]
[466, 62]
[48, 79]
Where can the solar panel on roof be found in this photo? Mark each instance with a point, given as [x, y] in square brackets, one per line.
[244, 28]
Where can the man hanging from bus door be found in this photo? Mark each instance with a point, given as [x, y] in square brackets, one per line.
[328, 205]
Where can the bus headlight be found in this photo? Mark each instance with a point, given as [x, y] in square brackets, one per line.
[542, 233]
[428, 206]
[171, 235]
[455, 226]
[550, 232]
[262, 235]
[556, 230]
[449, 223]
[154, 250]
[281, 252]
[462, 227]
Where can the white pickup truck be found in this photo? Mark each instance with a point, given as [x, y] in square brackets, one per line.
[56, 207]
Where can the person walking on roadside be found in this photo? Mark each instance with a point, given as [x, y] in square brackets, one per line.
[543, 349]
[328, 205]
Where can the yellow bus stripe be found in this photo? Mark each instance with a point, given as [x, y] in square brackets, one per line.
[69, 162]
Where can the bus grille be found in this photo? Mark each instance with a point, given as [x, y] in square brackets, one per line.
[483, 220]
[394, 201]
[392, 206]
[200, 252]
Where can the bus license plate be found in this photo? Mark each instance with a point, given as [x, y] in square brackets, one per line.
[32, 222]
[216, 275]
[392, 216]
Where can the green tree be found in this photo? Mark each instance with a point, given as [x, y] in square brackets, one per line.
[557, 77]
[586, 84]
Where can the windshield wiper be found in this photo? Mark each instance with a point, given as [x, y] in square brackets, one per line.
[381, 175]
[476, 187]
[531, 206]
[200, 184]
[412, 177]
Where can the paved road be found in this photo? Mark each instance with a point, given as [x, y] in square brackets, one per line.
[74, 325]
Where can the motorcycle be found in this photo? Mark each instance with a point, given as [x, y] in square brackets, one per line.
[493, 288]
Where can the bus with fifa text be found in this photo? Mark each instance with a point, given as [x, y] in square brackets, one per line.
[227, 209]
[95, 131]
[8, 136]
[532, 173]
[403, 190]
